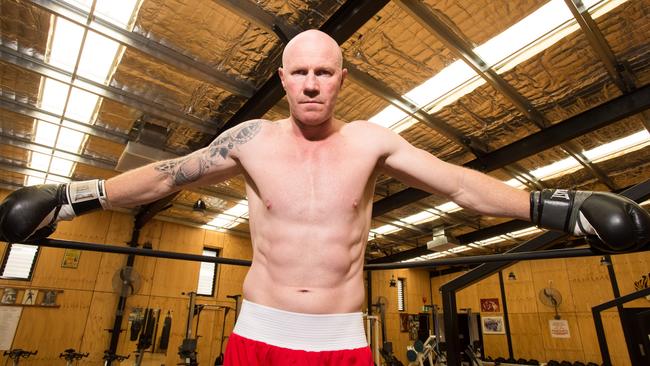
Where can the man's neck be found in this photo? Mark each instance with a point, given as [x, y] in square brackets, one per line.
[314, 132]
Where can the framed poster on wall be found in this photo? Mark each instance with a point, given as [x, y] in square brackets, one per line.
[493, 325]
[490, 305]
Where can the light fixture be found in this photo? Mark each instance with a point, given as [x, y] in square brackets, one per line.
[604, 261]
[511, 276]
[392, 282]
[199, 206]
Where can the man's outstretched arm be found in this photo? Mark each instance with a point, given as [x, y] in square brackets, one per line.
[468, 188]
[209, 165]
[32, 212]
[611, 223]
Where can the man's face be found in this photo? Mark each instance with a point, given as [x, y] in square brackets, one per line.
[312, 77]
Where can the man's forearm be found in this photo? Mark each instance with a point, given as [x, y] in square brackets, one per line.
[490, 196]
[138, 186]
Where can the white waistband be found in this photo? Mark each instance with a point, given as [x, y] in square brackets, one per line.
[307, 332]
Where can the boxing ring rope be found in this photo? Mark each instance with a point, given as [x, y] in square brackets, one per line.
[426, 264]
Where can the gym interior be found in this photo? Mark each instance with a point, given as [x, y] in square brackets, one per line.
[538, 94]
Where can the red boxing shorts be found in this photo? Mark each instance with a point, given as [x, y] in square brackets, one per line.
[265, 336]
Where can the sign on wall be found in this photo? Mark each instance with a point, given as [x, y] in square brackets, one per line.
[559, 328]
[9, 316]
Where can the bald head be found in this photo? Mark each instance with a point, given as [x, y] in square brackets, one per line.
[311, 41]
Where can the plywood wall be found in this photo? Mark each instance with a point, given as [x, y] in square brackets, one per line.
[88, 301]
[583, 283]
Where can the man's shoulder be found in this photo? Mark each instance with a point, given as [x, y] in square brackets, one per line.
[368, 129]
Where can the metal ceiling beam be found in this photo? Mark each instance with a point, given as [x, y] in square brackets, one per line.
[14, 168]
[31, 111]
[44, 149]
[37, 66]
[340, 26]
[252, 12]
[578, 125]
[617, 71]
[458, 44]
[181, 62]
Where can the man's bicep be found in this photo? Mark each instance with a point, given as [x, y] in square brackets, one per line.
[420, 169]
[213, 163]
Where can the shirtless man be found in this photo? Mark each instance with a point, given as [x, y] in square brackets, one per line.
[310, 180]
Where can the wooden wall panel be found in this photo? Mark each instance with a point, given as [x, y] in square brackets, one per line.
[100, 318]
[118, 234]
[629, 268]
[3, 248]
[614, 335]
[52, 330]
[495, 345]
[589, 283]
[526, 336]
[173, 277]
[520, 292]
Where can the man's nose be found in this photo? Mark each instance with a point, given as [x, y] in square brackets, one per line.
[311, 87]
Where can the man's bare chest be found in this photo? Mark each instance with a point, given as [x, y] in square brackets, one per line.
[323, 177]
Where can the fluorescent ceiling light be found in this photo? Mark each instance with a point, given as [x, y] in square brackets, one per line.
[32, 181]
[526, 38]
[238, 210]
[230, 217]
[95, 62]
[65, 44]
[388, 116]
[118, 12]
[385, 229]
[53, 96]
[442, 83]
[81, 105]
[69, 140]
[619, 147]
[45, 133]
[420, 218]
[60, 166]
[97, 57]
[39, 161]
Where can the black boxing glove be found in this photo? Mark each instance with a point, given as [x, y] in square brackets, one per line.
[32, 212]
[611, 223]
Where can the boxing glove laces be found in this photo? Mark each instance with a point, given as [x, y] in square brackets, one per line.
[610, 222]
[32, 212]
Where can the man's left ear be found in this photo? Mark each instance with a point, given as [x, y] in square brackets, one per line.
[344, 73]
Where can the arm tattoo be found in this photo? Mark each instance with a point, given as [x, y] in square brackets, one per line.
[191, 168]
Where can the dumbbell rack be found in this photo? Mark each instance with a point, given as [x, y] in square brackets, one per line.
[17, 354]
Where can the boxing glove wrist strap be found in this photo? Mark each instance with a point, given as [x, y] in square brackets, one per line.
[86, 196]
[559, 209]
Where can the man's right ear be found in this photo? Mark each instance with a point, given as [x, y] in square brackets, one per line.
[281, 74]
